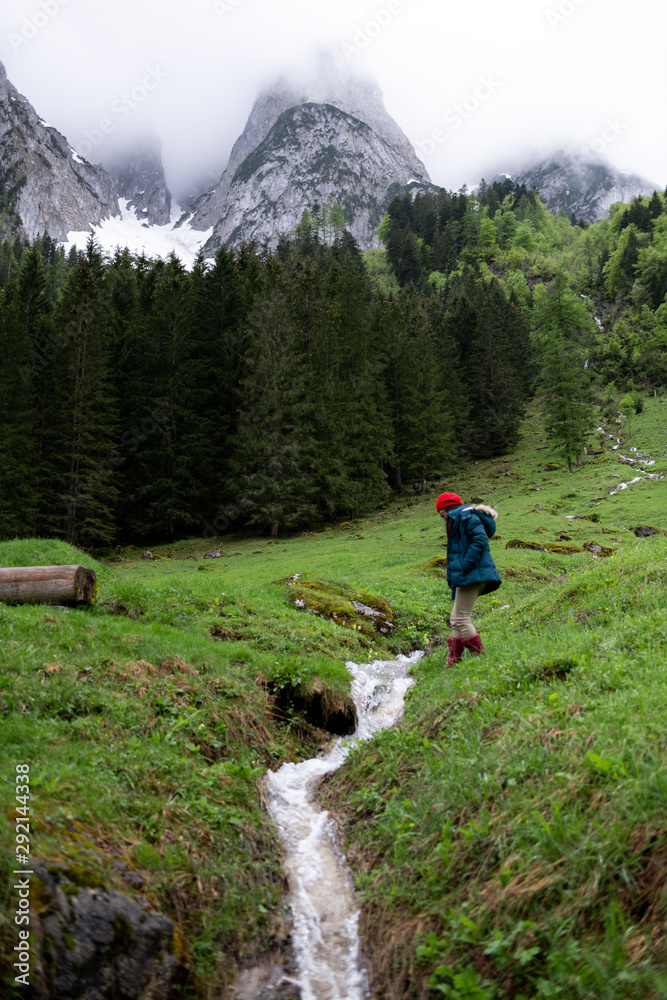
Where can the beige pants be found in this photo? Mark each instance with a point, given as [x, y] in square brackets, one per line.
[462, 627]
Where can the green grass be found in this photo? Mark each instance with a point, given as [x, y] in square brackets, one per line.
[528, 790]
[511, 829]
[508, 837]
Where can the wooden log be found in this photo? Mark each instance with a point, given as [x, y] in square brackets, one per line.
[48, 585]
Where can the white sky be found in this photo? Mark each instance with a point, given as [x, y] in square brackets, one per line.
[557, 71]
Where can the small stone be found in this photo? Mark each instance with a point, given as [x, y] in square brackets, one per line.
[597, 550]
[645, 531]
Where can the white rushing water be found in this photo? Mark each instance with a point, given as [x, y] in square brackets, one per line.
[325, 915]
[642, 460]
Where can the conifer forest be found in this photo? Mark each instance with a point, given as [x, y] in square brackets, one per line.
[278, 389]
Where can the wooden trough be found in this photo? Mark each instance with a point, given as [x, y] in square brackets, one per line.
[48, 585]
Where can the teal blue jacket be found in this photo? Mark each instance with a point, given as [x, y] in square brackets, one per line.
[468, 554]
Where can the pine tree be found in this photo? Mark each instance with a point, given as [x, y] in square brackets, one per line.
[161, 443]
[620, 269]
[492, 338]
[561, 323]
[655, 205]
[350, 405]
[419, 399]
[427, 424]
[24, 319]
[78, 418]
[275, 445]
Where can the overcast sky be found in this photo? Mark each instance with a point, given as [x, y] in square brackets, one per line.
[475, 86]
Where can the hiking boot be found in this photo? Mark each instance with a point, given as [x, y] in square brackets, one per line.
[455, 650]
[473, 645]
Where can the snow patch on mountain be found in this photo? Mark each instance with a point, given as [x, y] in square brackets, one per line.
[128, 231]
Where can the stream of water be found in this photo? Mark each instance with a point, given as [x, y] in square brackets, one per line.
[324, 911]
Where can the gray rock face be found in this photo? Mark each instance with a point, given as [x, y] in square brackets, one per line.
[139, 177]
[315, 153]
[99, 944]
[44, 186]
[581, 184]
[330, 140]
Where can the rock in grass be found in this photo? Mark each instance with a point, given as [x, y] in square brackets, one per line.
[347, 606]
[440, 562]
[91, 940]
[214, 554]
[645, 531]
[602, 551]
[520, 543]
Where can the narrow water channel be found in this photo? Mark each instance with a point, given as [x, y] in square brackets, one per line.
[324, 911]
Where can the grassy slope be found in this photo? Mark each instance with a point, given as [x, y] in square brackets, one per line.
[510, 837]
[135, 757]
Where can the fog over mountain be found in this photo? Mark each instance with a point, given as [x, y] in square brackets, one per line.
[527, 78]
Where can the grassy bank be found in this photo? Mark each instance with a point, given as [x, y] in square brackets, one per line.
[523, 789]
[513, 828]
[509, 837]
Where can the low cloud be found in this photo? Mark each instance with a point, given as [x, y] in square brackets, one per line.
[563, 76]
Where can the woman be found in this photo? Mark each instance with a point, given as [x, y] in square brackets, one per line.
[470, 569]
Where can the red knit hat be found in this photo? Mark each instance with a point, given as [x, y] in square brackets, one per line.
[447, 500]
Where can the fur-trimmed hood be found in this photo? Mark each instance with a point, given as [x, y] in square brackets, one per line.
[484, 514]
[485, 509]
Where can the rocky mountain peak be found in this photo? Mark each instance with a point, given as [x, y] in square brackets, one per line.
[139, 177]
[325, 137]
[581, 183]
[45, 187]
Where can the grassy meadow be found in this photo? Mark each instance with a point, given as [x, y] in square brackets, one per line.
[509, 837]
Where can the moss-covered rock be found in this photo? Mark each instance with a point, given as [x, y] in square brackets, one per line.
[559, 547]
[645, 531]
[601, 551]
[439, 563]
[90, 940]
[347, 606]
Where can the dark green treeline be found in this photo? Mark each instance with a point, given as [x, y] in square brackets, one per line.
[141, 402]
